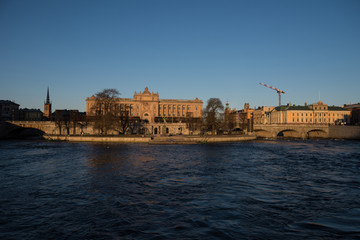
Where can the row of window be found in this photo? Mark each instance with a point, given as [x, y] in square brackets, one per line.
[164, 107]
[320, 108]
[174, 107]
[172, 115]
[310, 120]
[164, 115]
[320, 114]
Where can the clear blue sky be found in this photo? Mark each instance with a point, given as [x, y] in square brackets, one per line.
[182, 49]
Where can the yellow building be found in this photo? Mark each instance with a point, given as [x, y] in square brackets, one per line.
[318, 113]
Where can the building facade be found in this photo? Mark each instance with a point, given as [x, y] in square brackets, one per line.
[31, 114]
[317, 113]
[261, 115]
[9, 110]
[161, 115]
[240, 119]
[355, 113]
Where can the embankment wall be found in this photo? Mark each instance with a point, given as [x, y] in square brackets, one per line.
[344, 132]
[98, 139]
[159, 140]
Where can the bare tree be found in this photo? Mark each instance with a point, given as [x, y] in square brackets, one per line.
[74, 119]
[59, 120]
[123, 119]
[105, 109]
[192, 123]
[213, 114]
[62, 119]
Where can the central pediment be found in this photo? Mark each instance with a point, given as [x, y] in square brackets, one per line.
[146, 95]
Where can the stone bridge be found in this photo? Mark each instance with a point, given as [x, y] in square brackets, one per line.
[291, 130]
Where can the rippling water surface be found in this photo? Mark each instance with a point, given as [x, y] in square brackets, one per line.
[250, 190]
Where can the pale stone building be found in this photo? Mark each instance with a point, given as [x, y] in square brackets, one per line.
[165, 116]
[261, 115]
[317, 113]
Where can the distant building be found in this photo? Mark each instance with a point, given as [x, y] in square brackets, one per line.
[231, 118]
[239, 119]
[31, 114]
[355, 113]
[47, 107]
[261, 115]
[69, 115]
[9, 111]
[317, 113]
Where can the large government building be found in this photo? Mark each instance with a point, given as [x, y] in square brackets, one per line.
[317, 113]
[162, 115]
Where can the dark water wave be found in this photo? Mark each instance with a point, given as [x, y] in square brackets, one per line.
[252, 190]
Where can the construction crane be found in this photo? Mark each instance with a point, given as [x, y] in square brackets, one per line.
[277, 90]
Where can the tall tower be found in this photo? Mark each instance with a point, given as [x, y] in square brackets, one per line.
[47, 106]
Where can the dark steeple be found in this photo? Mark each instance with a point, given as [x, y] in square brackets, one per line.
[47, 97]
[47, 106]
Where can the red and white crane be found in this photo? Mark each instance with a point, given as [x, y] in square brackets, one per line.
[277, 90]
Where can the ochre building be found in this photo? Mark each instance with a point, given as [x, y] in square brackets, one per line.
[161, 115]
[318, 113]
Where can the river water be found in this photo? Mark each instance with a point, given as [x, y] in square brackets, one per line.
[251, 190]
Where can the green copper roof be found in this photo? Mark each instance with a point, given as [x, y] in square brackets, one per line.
[304, 108]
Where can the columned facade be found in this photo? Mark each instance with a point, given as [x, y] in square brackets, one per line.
[162, 116]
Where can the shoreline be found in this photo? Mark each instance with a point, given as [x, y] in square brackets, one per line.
[152, 139]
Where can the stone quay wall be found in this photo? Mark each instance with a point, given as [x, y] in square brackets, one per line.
[112, 139]
[151, 140]
[344, 132]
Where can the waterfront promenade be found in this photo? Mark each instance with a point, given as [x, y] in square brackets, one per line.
[21, 129]
[153, 139]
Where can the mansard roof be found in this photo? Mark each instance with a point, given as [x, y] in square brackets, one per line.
[299, 108]
[335, 108]
[305, 108]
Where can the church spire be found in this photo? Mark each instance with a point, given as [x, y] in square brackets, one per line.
[47, 106]
[47, 97]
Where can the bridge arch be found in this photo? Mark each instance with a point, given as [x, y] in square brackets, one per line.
[288, 133]
[316, 133]
[263, 133]
[21, 132]
[291, 130]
